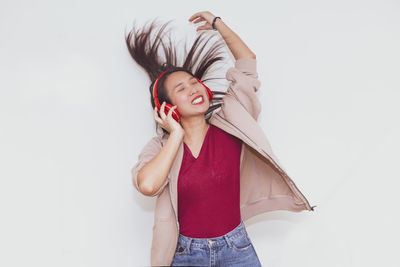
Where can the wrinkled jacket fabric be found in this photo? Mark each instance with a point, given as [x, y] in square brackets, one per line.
[264, 184]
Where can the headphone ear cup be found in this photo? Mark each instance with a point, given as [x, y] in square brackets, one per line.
[175, 113]
[210, 94]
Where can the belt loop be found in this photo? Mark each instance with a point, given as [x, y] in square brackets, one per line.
[188, 244]
[228, 241]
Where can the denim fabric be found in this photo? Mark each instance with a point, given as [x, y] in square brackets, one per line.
[232, 249]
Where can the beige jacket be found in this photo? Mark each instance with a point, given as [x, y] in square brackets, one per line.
[264, 184]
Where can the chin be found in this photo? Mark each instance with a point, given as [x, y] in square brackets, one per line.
[198, 112]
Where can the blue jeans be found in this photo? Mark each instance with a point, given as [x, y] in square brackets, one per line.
[232, 249]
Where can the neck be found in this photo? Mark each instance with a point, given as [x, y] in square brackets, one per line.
[195, 129]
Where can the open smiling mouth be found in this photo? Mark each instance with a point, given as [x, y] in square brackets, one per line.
[199, 100]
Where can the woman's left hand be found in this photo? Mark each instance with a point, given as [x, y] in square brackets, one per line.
[206, 16]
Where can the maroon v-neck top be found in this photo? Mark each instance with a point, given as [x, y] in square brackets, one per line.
[209, 186]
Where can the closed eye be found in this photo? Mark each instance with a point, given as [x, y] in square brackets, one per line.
[193, 83]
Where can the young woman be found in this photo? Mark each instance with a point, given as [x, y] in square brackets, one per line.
[210, 171]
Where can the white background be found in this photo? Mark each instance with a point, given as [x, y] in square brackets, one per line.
[75, 113]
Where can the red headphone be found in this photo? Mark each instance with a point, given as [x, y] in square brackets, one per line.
[175, 113]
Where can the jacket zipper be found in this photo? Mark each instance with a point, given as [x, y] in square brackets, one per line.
[275, 164]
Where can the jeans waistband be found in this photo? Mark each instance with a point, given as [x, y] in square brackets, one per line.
[237, 232]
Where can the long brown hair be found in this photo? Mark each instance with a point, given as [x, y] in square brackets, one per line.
[144, 50]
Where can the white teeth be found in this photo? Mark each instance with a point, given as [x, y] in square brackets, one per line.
[197, 100]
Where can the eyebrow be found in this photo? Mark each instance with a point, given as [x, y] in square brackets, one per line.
[182, 82]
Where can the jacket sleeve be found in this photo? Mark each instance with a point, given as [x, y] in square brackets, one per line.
[149, 151]
[244, 84]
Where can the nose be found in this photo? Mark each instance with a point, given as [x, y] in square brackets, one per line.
[194, 90]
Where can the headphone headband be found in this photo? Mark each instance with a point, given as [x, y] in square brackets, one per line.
[155, 96]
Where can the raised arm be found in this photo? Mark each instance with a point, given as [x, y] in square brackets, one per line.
[238, 48]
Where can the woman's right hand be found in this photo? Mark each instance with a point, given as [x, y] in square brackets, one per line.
[167, 122]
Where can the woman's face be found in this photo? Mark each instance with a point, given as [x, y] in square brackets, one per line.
[182, 89]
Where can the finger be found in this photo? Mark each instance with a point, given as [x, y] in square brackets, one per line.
[170, 111]
[162, 112]
[156, 117]
[158, 120]
[195, 15]
[198, 20]
[203, 27]
[155, 112]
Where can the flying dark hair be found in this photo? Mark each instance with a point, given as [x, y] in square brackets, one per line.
[144, 50]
